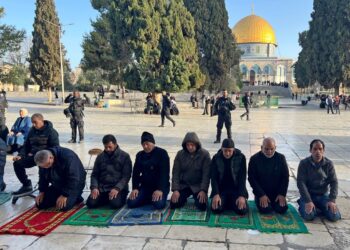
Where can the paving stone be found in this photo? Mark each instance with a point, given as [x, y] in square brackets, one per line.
[344, 205]
[16, 241]
[154, 231]
[205, 246]
[61, 241]
[90, 230]
[252, 247]
[316, 227]
[253, 237]
[340, 224]
[196, 233]
[160, 244]
[116, 243]
[316, 239]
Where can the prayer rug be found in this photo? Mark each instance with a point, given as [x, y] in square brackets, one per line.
[4, 197]
[145, 215]
[189, 214]
[98, 217]
[289, 223]
[229, 219]
[37, 222]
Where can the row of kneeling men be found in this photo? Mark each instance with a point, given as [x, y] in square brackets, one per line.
[62, 178]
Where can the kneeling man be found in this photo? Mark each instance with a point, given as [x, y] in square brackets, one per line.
[61, 178]
[150, 177]
[318, 184]
[228, 178]
[268, 175]
[110, 176]
[191, 173]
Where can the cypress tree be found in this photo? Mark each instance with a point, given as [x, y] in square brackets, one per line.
[44, 59]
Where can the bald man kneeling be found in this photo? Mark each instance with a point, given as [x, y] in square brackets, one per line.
[268, 175]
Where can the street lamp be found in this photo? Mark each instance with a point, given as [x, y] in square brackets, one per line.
[61, 56]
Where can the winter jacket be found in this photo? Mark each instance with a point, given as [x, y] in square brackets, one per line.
[111, 171]
[39, 139]
[224, 106]
[67, 173]
[317, 179]
[191, 170]
[22, 125]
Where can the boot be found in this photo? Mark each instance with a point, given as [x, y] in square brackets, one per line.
[229, 133]
[218, 136]
[24, 189]
[72, 141]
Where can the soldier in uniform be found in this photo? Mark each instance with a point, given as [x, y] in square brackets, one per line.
[76, 108]
[223, 107]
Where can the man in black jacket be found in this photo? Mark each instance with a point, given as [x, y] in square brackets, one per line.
[223, 107]
[268, 175]
[110, 176]
[191, 173]
[41, 136]
[166, 104]
[76, 108]
[150, 177]
[228, 178]
[318, 184]
[61, 168]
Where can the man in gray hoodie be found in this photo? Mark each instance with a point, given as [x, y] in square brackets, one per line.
[191, 173]
[318, 184]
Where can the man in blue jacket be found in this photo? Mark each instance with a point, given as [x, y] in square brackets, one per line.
[150, 177]
[61, 178]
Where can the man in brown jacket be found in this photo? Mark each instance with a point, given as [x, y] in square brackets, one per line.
[191, 173]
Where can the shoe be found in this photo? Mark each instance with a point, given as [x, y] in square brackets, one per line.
[174, 124]
[81, 141]
[217, 141]
[161, 126]
[241, 117]
[24, 190]
[3, 187]
[72, 141]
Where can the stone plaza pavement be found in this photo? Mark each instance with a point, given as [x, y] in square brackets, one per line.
[292, 127]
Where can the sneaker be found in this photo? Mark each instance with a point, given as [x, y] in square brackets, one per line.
[24, 190]
[3, 187]
[72, 141]
[217, 141]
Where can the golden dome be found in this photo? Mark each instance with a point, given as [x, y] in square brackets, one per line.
[254, 29]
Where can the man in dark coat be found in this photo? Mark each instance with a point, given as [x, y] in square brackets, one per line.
[268, 175]
[223, 107]
[318, 184]
[191, 173]
[246, 102]
[150, 177]
[110, 176]
[76, 108]
[61, 178]
[228, 178]
[166, 104]
[41, 136]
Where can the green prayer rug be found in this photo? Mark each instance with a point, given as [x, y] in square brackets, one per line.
[98, 217]
[4, 197]
[189, 214]
[289, 223]
[229, 219]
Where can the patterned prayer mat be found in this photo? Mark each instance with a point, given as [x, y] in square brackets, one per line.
[229, 219]
[145, 215]
[98, 217]
[37, 222]
[289, 223]
[4, 197]
[187, 215]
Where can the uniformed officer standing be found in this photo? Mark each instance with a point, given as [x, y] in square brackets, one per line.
[223, 108]
[76, 108]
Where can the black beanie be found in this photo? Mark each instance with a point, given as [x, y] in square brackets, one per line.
[228, 143]
[146, 136]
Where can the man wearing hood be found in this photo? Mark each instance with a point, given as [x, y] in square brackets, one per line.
[150, 177]
[191, 173]
[268, 175]
[61, 178]
[76, 108]
[41, 136]
[228, 179]
[110, 176]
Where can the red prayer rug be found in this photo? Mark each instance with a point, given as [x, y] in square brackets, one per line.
[37, 222]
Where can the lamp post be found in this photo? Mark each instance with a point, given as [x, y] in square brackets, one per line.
[61, 55]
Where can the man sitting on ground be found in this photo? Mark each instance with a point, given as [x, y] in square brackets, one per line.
[61, 168]
[41, 136]
[228, 178]
[150, 177]
[268, 175]
[110, 176]
[318, 184]
[191, 173]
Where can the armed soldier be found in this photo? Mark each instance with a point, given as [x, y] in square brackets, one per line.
[76, 108]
